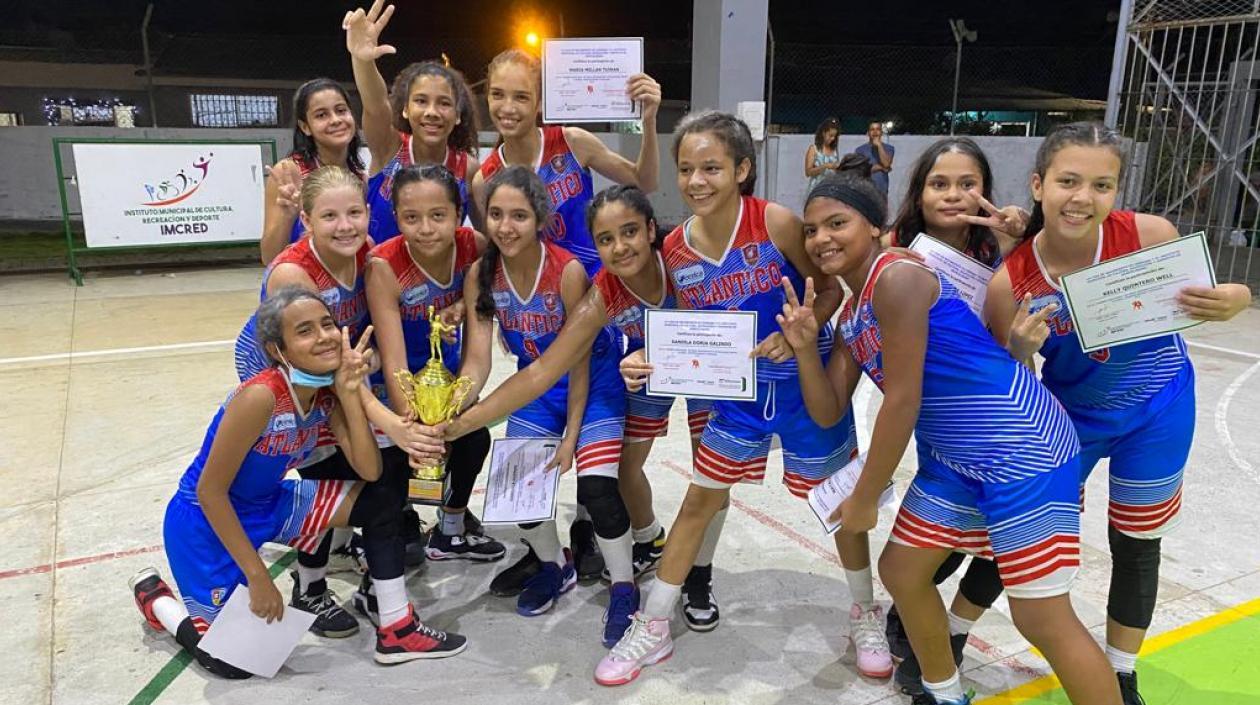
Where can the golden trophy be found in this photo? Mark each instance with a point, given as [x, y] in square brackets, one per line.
[434, 396]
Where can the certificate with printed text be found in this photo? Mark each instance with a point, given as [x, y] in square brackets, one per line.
[969, 276]
[1134, 297]
[827, 496]
[520, 489]
[701, 354]
[584, 80]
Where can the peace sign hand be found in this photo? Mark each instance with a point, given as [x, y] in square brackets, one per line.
[797, 321]
[1009, 221]
[356, 363]
[1029, 331]
[363, 32]
[288, 179]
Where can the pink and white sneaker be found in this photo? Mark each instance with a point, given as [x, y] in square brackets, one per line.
[866, 631]
[646, 642]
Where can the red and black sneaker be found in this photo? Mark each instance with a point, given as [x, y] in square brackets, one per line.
[408, 640]
[148, 586]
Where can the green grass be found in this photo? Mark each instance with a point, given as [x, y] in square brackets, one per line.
[26, 250]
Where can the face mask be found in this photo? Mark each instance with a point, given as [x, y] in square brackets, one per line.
[302, 378]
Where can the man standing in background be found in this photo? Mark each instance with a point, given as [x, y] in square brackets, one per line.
[880, 156]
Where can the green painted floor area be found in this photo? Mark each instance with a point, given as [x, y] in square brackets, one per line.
[1220, 667]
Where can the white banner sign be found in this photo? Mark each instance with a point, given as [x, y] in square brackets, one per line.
[162, 194]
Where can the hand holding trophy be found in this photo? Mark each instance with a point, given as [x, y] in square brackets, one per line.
[434, 396]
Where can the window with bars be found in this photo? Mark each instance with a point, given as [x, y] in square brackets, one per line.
[215, 110]
[10, 119]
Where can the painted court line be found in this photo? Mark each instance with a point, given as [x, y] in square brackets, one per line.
[1227, 351]
[72, 562]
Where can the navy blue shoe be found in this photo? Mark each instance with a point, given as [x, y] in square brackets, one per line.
[544, 588]
[623, 602]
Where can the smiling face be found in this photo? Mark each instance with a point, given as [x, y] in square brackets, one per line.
[510, 221]
[624, 239]
[312, 341]
[1078, 190]
[837, 237]
[426, 217]
[328, 119]
[512, 98]
[338, 221]
[708, 177]
[431, 109]
[945, 191]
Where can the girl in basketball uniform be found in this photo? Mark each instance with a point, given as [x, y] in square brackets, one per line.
[1005, 489]
[427, 117]
[730, 256]
[631, 281]
[324, 134]
[1132, 403]
[530, 285]
[407, 276]
[232, 498]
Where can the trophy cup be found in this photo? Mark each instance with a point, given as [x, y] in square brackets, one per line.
[434, 396]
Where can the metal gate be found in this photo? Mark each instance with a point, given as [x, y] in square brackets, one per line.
[1189, 99]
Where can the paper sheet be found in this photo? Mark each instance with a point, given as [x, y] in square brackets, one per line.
[519, 489]
[828, 495]
[249, 643]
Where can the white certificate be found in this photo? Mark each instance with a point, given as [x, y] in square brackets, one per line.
[520, 489]
[584, 80]
[240, 638]
[969, 276]
[830, 493]
[701, 354]
[1134, 297]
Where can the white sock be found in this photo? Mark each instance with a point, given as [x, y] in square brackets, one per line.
[170, 612]
[713, 532]
[1121, 661]
[307, 576]
[582, 514]
[647, 533]
[452, 523]
[341, 537]
[861, 586]
[947, 691]
[391, 600]
[662, 600]
[546, 543]
[958, 625]
[618, 557]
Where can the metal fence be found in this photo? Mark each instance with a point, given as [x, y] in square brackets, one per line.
[1190, 101]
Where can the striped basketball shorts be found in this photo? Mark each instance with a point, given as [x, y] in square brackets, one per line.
[647, 416]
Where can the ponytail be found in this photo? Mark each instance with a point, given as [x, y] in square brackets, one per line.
[485, 281]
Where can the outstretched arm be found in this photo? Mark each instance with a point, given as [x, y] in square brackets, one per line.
[363, 31]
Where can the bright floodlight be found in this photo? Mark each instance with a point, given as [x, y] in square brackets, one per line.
[531, 38]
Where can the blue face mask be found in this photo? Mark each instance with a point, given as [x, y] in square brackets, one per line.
[302, 378]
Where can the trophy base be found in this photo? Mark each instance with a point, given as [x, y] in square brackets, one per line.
[425, 491]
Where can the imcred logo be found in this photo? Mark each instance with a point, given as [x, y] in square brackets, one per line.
[180, 186]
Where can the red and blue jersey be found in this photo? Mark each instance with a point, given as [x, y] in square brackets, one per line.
[982, 414]
[289, 437]
[1109, 383]
[570, 189]
[624, 307]
[745, 278]
[380, 187]
[418, 290]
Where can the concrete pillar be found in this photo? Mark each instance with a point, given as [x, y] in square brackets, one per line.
[728, 52]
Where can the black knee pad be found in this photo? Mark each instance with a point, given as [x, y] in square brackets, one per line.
[602, 498]
[468, 453]
[948, 567]
[395, 471]
[1134, 579]
[981, 584]
[187, 636]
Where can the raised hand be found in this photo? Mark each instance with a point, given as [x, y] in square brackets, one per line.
[288, 179]
[646, 90]
[1010, 221]
[800, 327]
[363, 31]
[356, 363]
[635, 370]
[1029, 330]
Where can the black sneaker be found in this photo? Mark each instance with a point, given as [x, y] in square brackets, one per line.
[408, 640]
[586, 556]
[414, 538]
[645, 556]
[472, 525]
[331, 621]
[1129, 694]
[898, 642]
[909, 677]
[349, 558]
[512, 580]
[469, 547]
[700, 609]
[364, 600]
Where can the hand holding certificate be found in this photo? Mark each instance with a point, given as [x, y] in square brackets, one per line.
[827, 496]
[969, 276]
[521, 488]
[586, 80]
[1134, 297]
[701, 354]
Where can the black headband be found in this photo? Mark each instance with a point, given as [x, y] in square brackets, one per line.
[838, 190]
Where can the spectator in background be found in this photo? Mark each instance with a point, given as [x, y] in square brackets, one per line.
[856, 163]
[823, 155]
[879, 155]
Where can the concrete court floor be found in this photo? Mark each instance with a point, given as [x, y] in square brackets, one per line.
[109, 388]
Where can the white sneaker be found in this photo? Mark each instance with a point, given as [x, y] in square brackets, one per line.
[646, 642]
[866, 631]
